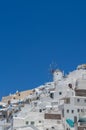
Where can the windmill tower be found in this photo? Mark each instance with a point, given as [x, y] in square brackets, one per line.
[57, 73]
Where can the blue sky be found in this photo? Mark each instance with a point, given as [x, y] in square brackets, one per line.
[33, 34]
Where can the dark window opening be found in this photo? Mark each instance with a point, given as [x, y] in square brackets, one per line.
[27, 122]
[72, 111]
[78, 110]
[60, 93]
[67, 111]
[78, 100]
[32, 123]
[52, 95]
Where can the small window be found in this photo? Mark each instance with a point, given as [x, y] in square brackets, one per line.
[70, 85]
[51, 95]
[40, 110]
[78, 110]
[27, 122]
[4, 116]
[60, 93]
[72, 111]
[53, 127]
[82, 110]
[39, 121]
[67, 111]
[78, 100]
[85, 100]
[32, 123]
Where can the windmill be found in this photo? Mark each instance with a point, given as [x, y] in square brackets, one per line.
[51, 70]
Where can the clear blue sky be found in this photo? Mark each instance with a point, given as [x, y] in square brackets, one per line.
[35, 33]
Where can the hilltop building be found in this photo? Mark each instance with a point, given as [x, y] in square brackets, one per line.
[56, 105]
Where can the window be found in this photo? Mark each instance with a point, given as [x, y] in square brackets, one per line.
[67, 100]
[68, 129]
[39, 121]
[85, 100]
[60, 93]
[72, 111]
[32, 123]
[52, 95]
[27, 123]
[4, 116]
[52, 127]
[67, 111]
[40, 110]
[78, 100]
[82, 110]
[78, 110]
[70, 85]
